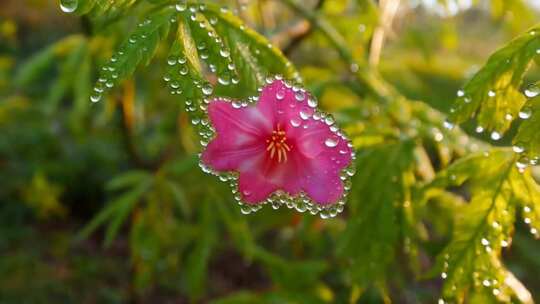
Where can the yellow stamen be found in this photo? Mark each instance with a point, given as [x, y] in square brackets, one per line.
[277, 145]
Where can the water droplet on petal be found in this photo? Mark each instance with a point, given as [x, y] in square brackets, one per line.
[332, 142]
[299, 96]
[312, 102]
[280, 95]
[295, 122]
[305, 115]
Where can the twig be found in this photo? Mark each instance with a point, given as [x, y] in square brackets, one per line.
[303, 30]
[388, 12]
[365, 76]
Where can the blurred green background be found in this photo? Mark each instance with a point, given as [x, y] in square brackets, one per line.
[173, 233]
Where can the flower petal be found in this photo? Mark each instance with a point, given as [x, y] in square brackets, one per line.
[239, 136]
[255, 187]
[228, 120]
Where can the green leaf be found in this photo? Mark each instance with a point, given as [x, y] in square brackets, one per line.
[197, 261]
[377, 199]
[139, 48]
[493, 95]
[116, 211]
[472, 260]
[39, 63]
[127, 179]
[527, 140]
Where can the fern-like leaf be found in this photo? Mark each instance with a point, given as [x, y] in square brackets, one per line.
[493, 95]
[471, 263]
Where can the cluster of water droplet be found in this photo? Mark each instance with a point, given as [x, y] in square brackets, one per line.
[301, 202]
[525, 113]
[531, 218]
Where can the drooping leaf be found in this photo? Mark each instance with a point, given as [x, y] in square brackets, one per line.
[527, 140]
[471, 263]
[493, 95]
[378, 199]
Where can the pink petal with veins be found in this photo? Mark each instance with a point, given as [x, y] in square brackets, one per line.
[277, 145]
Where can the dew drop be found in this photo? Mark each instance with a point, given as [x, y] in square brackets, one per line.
[181, 6]
[448, 125]
[207, 89]
[171, 60]
[532, 91]
[224, 53]
[491, 93]
[332, 142]
[95, 97]
[518, 148]
[479, 129]
[223, 80]
[299, 96]
[525, 112]
[354, 67]
[295, 122]
[495, 135]
[305, 115]
[460, 93]
[312, 102]
[68, 6]
[280, 95]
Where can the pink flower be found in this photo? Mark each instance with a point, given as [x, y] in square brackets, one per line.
[281, 143]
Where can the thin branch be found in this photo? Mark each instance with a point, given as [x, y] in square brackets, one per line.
[366, 76]
[300, 31]
[388, 12]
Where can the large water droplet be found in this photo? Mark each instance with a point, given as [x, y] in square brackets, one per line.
[181, 6]
[305, 115]
[312, 102]
[532, 91]
[518, 148]
[525, 112]
[299, 96]
[332, 142]
[95, 97]
[224, 53]
[68, 6]
[207, 89]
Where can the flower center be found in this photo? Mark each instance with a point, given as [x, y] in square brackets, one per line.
[277, 145]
